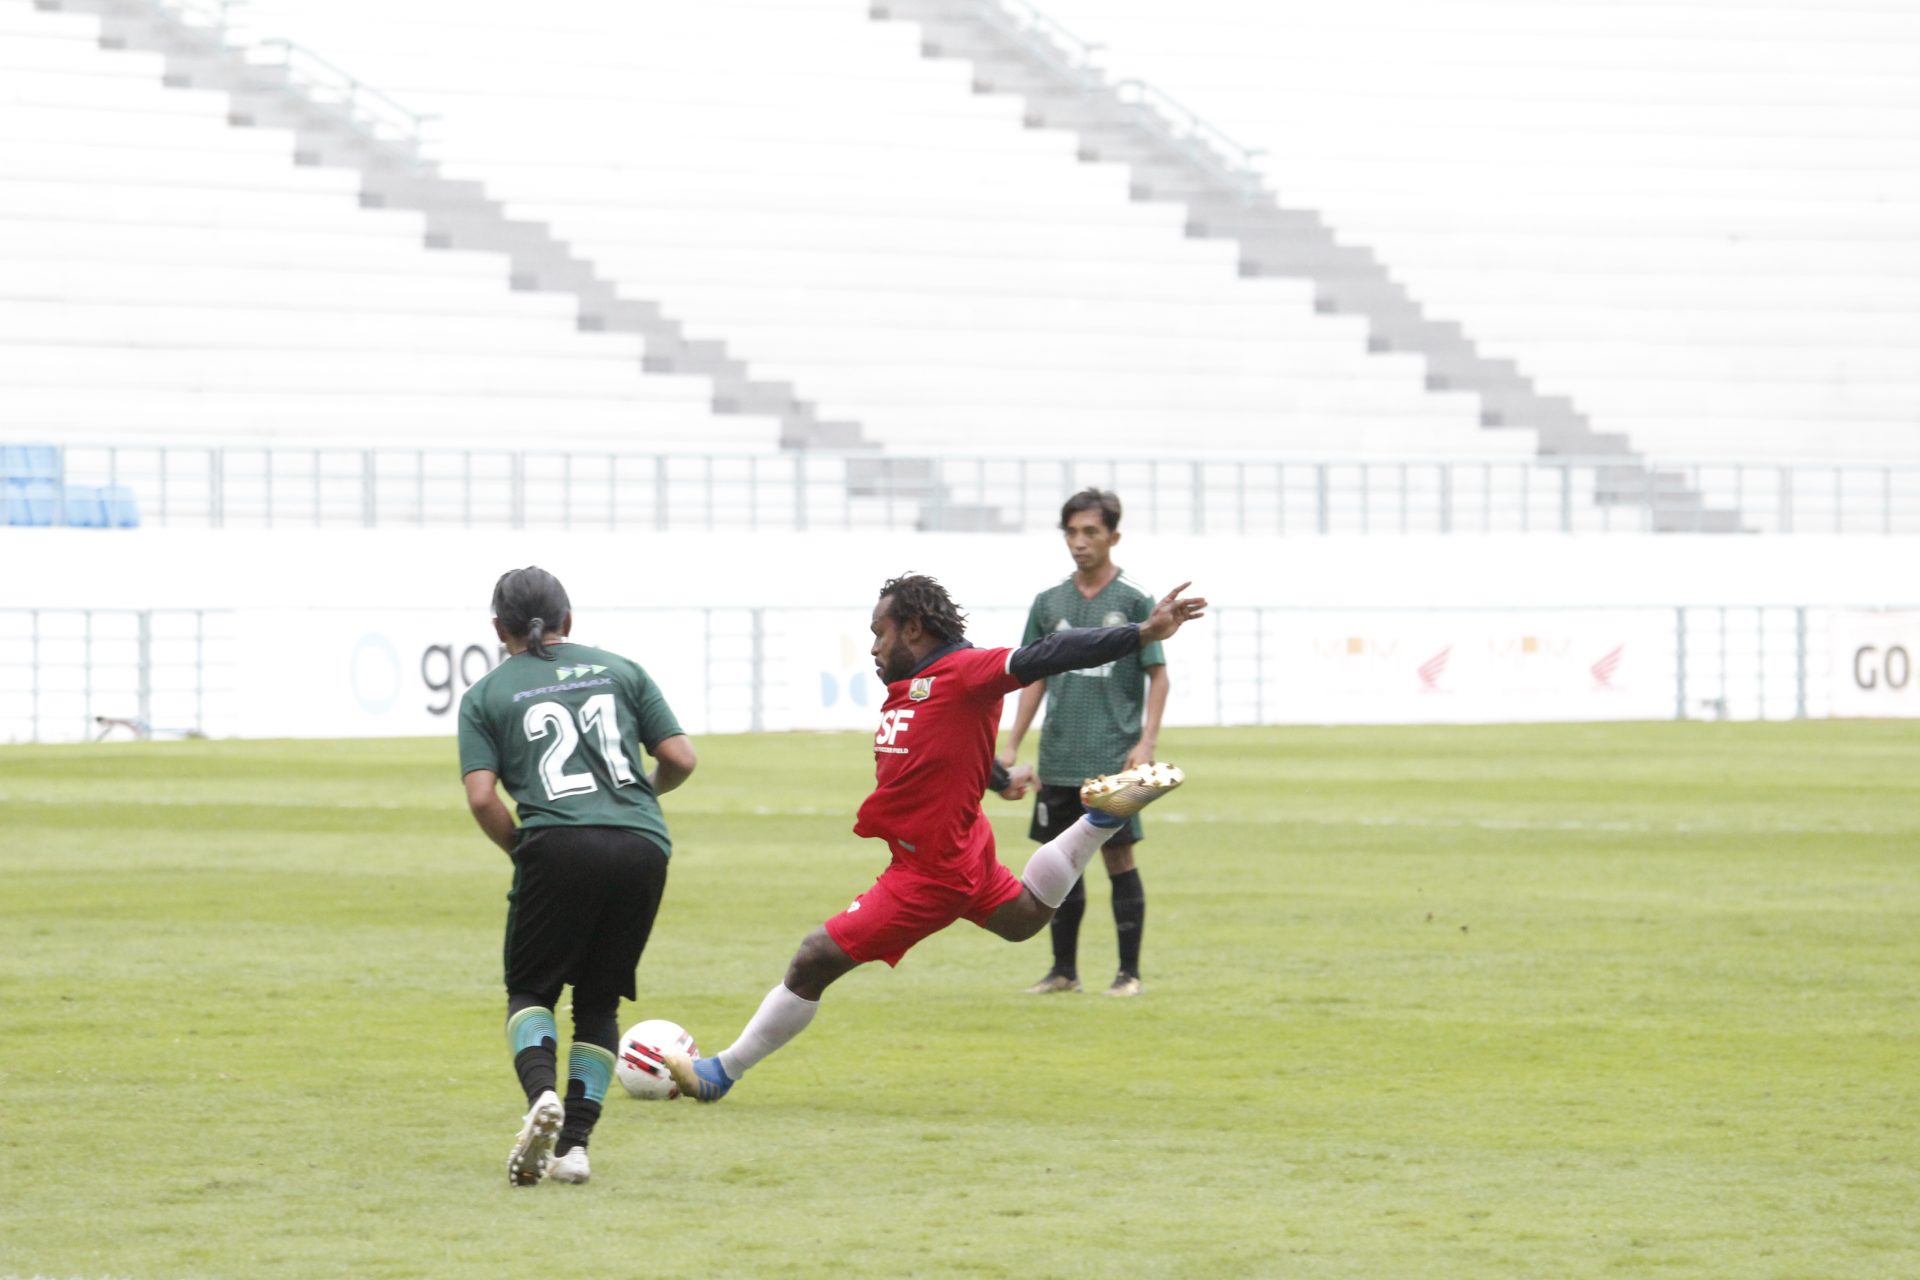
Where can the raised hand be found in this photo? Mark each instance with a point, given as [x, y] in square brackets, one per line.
[1171, 613]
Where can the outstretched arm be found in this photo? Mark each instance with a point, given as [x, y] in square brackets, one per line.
[1071, 650]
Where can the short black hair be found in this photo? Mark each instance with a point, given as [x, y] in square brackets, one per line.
[1105, 501]
[915, 595]
[529, 603]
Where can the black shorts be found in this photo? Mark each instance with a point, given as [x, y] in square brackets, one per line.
[581, 907]
[1057, 808]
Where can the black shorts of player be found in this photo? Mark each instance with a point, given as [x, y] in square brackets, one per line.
[581, 908]
[1057, 808]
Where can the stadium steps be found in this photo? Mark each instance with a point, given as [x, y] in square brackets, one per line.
[338, 123]
[1173, 155]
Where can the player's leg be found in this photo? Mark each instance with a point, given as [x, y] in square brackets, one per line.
[882, 924]
[536, 955]
[1056, 865]
[784, 1013]
[1129, 911]
[1055, 808]
[533, 1041]
[625, 874]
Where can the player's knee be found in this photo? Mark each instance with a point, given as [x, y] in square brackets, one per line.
[1021, 918]
[815, 965]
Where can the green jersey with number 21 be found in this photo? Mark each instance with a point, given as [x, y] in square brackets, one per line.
[565, 737]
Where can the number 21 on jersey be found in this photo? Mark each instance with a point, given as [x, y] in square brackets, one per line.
[600, 717]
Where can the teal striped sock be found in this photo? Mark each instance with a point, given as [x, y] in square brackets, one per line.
[529, 1027]
[592, 1066]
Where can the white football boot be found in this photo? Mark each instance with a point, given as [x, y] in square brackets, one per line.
[533, 1147]
[571, 1167]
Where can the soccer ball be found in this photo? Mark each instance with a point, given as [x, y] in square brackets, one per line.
[642, 1066]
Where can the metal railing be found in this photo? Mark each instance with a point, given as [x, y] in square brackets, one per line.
[798, 490]
[84, 674]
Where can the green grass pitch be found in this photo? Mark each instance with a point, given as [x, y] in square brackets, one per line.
[1553, 1001]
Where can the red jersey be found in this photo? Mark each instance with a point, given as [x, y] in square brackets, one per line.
[933, 755]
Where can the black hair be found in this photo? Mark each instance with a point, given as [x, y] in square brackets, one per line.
[917, 596]
[529, 603]
[1105, 501]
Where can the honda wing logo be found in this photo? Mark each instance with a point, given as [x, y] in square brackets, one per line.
[1603, 670]
[1432, 669]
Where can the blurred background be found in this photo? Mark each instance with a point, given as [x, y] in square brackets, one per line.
[1484, 360]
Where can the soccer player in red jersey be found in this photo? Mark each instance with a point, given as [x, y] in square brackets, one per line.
[933, 758]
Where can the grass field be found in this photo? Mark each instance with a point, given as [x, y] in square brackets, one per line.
[1553, 1001]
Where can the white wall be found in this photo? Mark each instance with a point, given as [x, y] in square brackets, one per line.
[349, 634]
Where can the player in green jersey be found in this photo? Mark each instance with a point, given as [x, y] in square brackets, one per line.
[561, 727]
[1099, 721]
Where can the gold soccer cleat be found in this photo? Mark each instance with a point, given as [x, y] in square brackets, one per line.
[1126, 793]
[1054, 984]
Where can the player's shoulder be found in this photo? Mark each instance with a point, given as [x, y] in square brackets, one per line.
[1131, 586]
[1053, 598]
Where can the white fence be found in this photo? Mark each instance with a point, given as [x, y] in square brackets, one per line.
[813, 490]
[75, 674]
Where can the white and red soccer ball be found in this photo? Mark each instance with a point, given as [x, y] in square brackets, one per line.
[641, 1064]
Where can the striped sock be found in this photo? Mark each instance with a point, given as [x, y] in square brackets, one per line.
[592, 1066]
[534, 1041]
[589, 1071]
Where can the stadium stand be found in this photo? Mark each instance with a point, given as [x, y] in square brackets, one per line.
[1697, 222]
[169, 278]
[796, 181]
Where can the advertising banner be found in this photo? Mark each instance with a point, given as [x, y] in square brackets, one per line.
[1387, 668]
[1874, 656]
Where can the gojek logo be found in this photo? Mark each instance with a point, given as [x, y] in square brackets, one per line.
[574, 673]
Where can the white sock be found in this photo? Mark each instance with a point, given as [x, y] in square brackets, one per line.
[780, 1017]
[1055, 865]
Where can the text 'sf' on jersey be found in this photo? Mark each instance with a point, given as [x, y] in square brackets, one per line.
[1094, 715]
[932, 754]
[566, 737]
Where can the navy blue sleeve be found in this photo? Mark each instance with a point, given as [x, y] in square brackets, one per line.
[1073, 649]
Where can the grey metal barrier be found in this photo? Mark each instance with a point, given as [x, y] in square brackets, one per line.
[278, 487]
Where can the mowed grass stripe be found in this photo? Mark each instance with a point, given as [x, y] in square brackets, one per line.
[1553, 1000]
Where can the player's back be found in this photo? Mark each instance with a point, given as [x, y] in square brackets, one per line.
[565, 737]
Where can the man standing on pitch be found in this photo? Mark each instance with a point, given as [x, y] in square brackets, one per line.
[561, 727]
[1099, 720]
[933, 756]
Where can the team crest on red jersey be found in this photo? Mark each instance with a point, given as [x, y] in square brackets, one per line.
[921, 689]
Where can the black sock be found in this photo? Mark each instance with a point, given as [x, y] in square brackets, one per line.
[582, 1115]
[1066, 931]
[537, 1067]
[1129, 918]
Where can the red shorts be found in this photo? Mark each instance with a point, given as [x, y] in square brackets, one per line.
[904, 906]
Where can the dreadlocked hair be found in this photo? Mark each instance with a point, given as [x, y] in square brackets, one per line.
[529, 603]
[917, 596]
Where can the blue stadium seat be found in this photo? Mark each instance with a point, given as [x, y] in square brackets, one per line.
[84, 507]
[123, 510]
[26, 462]
[28, 502]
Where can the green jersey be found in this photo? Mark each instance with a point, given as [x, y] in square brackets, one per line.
[1093, 716]
[565, 738]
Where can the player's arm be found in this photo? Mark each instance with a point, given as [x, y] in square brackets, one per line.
[1080, 647]
[489, 810]
[1157, 687]
[1009, 784]
[1023, 714]
[673, 762]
